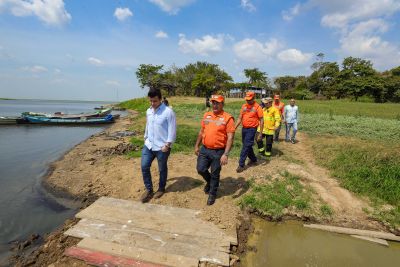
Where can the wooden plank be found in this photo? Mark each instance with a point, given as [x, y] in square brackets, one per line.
[350, 231]
[192, 247]
[98, 258]
[165, 223]
[372, 239]
[160, 210]
[137, 253]
[146, 238]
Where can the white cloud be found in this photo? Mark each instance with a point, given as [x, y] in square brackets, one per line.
[95, 61]
[172, 6]
[35, 69]
[254, 51]
[363, 41]
[204, 46]
[294, 57]
[113, 83]
[122, 13]
[57, 71]
[51, 12]
[288, 15]
[161, 34]
[247, 5]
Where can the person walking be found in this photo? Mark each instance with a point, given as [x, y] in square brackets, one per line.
[165, 101]
[159, 135]
[251, 116]
[216, 134]
[278, 104]
[291, 120]
[272, 119]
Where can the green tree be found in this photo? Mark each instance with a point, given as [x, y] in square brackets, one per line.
[149, 75]
[256, 77]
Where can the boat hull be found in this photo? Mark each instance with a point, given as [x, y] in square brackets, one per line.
[70, 121]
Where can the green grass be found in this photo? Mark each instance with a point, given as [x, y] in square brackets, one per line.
[349, 108]
[361, 127]
[368, 168]
[273, 197]
[326, 210]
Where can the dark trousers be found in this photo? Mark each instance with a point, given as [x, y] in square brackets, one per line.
[210, 158]
[147, 158]
[269, 139]
[248, 135]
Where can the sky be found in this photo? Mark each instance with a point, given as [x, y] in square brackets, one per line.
[90, 49]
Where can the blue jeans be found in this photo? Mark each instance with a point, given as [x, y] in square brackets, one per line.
[147, 158]
[288, 127]
[210, 158]
[248, 135]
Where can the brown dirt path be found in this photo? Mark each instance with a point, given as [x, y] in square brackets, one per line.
[88, 171]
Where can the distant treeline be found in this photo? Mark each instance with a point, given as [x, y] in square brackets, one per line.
[354, 79]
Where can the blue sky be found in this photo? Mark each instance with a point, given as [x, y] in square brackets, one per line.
[90, 49]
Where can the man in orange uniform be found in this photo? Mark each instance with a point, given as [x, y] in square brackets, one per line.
[216, 133]
[251, 116]
[281, 107]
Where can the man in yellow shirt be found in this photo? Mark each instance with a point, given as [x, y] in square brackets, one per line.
[272, 120]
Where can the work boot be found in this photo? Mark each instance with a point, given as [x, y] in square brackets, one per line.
[159, 193]
[147, 195]
[207, 188]
[239, 169]
[267, 154]
[211, 199]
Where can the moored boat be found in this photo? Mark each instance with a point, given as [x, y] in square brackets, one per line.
[70, 121]
[56, 115]
[8, 120]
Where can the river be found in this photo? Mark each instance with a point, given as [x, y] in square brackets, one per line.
[26, 153]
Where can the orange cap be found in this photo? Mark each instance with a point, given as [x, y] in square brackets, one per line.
[276, 97]
[249, 96]
[218, 98]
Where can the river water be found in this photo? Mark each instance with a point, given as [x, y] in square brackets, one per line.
[26, 152]
[291, 244]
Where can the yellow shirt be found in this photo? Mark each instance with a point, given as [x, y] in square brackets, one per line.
[272, 120]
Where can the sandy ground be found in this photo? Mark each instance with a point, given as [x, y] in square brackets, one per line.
[91, 170]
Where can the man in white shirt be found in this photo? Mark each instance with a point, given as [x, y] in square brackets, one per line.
[159, 135]
[291, 119]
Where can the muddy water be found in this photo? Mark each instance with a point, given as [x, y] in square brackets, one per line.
[291, 244]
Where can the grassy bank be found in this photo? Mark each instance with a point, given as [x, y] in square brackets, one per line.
[286, 195]
[368, 168]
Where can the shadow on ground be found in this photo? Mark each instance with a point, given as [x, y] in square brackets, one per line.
[234, 187]
[183, 184]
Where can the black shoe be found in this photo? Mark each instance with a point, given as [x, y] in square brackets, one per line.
[207, 188]
[239, 169]
[146, 196]
[292, 141]
[211, 199]
[159, 193]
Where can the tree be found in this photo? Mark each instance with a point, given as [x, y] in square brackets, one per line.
[256, 77]
[149, 75]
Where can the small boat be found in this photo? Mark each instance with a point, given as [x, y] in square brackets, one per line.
[70, 121]
[12, 120]
[60, 115]
[8, 120]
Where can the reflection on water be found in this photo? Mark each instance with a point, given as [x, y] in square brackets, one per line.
[291, 244]
[26, 152]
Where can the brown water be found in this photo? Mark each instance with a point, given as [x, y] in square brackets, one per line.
[291, 244]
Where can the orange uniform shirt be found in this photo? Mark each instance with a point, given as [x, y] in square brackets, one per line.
[216, 128]
[251, 115]
[280, 107]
